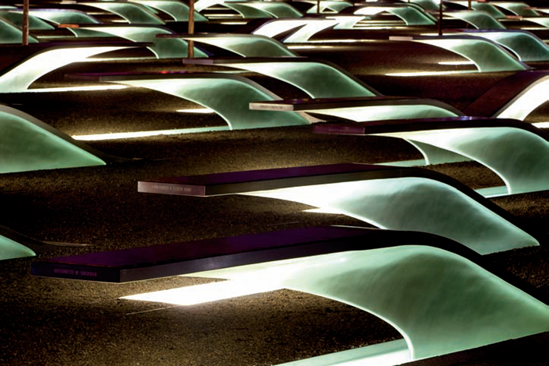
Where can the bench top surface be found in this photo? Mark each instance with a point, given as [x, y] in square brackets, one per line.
[409, 125]
[329, 103]
[203, 255]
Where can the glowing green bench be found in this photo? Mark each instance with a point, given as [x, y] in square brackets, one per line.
[263, 9]
[27, 143]
[228, 95]
[15, 17]
[21, 66]
[478, 19]
[411, 14]
[177, 10]
[387, 197]
[133, 13]
[486, 54]
[516, 151]
[10, 34]
[441, 297]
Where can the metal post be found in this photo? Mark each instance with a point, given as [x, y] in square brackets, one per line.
[190, 51]
[440, 13]
[25, 27]
[317, 7]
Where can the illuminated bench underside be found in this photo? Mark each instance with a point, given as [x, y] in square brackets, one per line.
[177, 10]
[227, 95]
[526, 46]
[478, 19]
[162, 47]
[515, 96]
[16, 18]
[484, 53]
[436, 293]
[133, 13]
[304, 28]
[260, 9]
[317, 78]
[20, 75]
[387, 197]
[362, 109]
[517, 152]
[29, 144]
[245, 45]
[411, 15]
[9, 34]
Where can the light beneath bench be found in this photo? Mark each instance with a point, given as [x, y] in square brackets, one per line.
[200, 294]
[141, 134]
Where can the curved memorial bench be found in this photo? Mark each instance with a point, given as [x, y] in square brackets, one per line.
[487, 7]
[263, 9]
[15, 245]
[517, 8]
[24, 65]
[27, 143]
[177, 10]
[515, 96]
[228, 95]
[161, 47]
[516, 151]
[317, 78]
[362, 109]
[478, 19]
[16, 18]
[525, 45]
[133, 13]
[245, 45]
[440, 296]
[409, 13]
[304, 28]
[387, 197]
[10, 34]
[486, 54]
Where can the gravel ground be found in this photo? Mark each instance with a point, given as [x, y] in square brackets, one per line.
[55, 322]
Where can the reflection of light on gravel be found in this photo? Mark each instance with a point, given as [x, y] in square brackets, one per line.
[430, 73]
[196, 110]
[140, 134]
[77, 88]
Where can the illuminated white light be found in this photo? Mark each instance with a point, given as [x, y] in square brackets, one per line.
[541, 124]
[196, 111]
[193, 295]
[456, 63]
[332, 211]
[131, 135]
[78, 88]
[428, 73]
[527, 101]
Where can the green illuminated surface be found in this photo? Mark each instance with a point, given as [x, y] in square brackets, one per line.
[519, 157]
[64, 16]
[10, 249]
[133, 13]
[439, 301]
[29, 144]
[227, 95]
[525, 45]
[318, 79]
[179, 11]
[486, 55]
[526, 101]
[398, 109]
[21, 76]
[163, 47]
[274, 9]
[411, 15]
[10, 34]
[16, 18]
[417, 204]
[478, 19]
[488, 8]
[328, 6]
[521, 9]
[306, 28]
[245, 45]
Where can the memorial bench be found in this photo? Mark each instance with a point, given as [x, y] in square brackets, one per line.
[516, 151]
[385, 196]
[424, 285]
[21, 66]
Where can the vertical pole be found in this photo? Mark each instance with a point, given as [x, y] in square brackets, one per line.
[25, 27]
[469, 7]
[317, 7]
[440, 18]
[190, 52]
